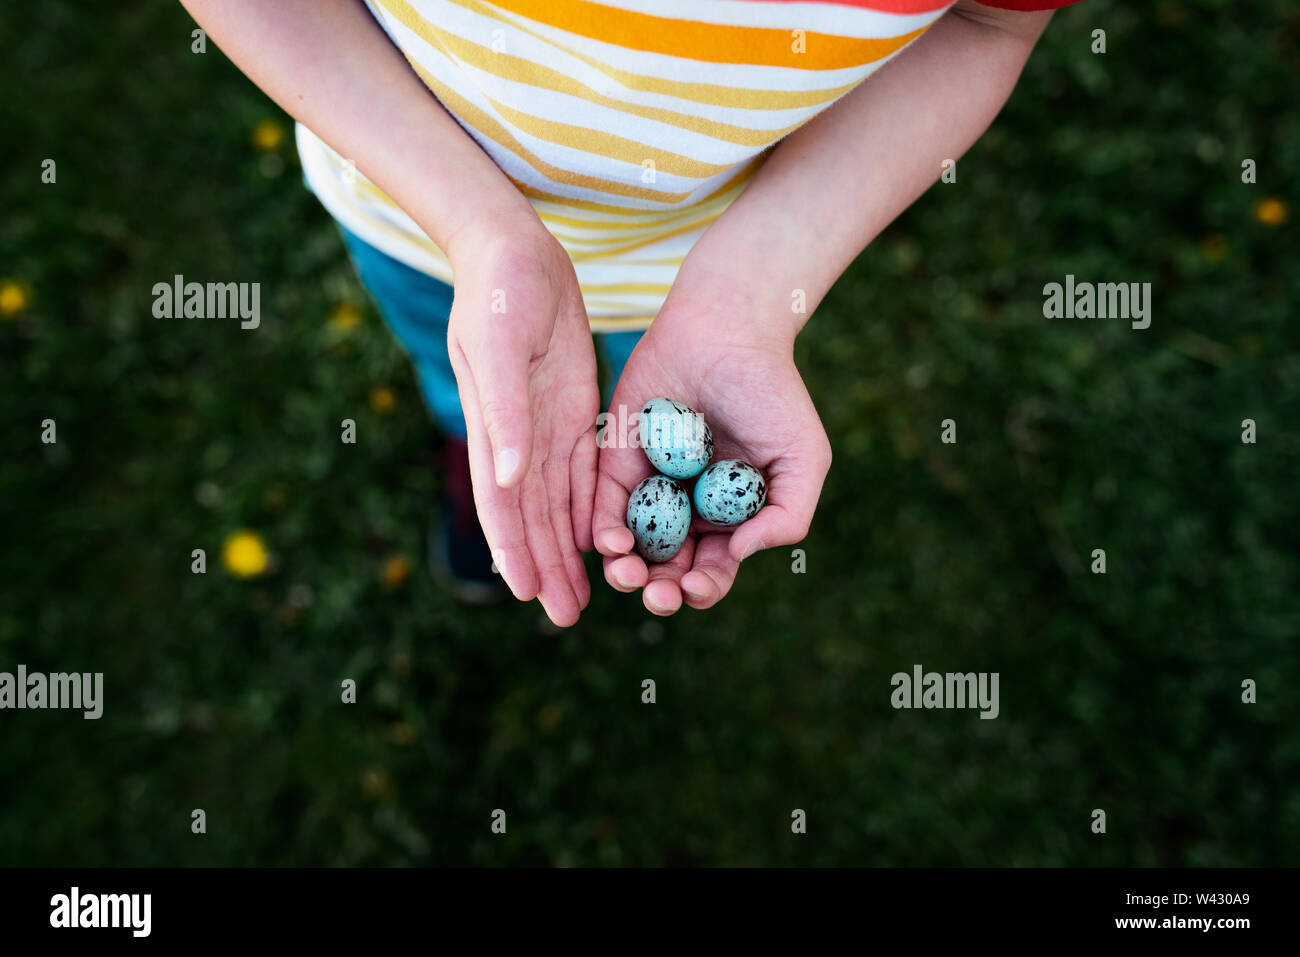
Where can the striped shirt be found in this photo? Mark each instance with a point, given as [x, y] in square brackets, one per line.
[630, 125]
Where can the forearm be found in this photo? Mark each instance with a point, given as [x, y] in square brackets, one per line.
[829, 188]
[329, 65]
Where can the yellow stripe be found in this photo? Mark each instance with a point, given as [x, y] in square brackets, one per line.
[643, 236]
[650, 241]
[609, 146]
[533, 193]
[629, 233]
[715, 198]
[647, 288]
[637, 324]
[628, 224]
[710, 93]
[519, 70]
[487, 126]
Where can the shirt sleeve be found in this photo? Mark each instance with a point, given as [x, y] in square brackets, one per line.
[1027, 6]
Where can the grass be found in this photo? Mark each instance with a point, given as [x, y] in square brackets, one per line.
[1119, 691]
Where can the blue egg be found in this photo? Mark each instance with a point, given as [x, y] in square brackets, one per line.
[676, 439]
[729, 492]
[659, 514]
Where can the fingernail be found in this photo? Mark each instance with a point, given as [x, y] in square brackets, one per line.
[507, 461]
[754, 546]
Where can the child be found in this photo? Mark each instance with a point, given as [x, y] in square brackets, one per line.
[579, 167]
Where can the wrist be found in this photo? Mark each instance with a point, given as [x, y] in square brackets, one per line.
[729, 300]
[508, 222]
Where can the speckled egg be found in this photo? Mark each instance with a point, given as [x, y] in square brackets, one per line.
[729, 492]
[676, 439]
[659, 514]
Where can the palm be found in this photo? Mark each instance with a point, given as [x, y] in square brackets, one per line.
[522, 350]
[759, 410]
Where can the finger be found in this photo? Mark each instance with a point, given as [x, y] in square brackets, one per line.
[609, 530]
[712, 573]
[498, 508]
[621, 465]
[625, 572]
[582, 488]
[501, 375]
[555, 591]
[556, 479]
[662, 593]
[794, 484]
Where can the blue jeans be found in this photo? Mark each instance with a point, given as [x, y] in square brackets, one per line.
[416, 307]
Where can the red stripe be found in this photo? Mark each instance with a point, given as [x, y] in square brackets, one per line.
[1027, 6]
[882, 6]
[929, 6]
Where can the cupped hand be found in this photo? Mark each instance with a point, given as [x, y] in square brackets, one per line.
[521, 349]
[741, 376]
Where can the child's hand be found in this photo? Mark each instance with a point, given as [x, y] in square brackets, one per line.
[522, 352]
[740, 374]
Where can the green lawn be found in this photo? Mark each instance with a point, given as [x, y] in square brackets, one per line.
[1119, 691]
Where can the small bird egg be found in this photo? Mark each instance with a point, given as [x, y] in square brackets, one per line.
[729, 492]
[659, 515]
[675, 438]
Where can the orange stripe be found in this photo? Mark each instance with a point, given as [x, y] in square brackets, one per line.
[711, 94]
[519, 70]
[707, 42]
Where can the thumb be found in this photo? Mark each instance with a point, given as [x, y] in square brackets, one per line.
[503, 396]
[501, 385]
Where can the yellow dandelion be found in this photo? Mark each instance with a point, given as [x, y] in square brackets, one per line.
[267, 136]
[345, 316]
[383, 400]
[1214, 247]
[1271, 211]
[244, 554]
[396, 570]
[15, 297]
